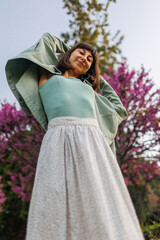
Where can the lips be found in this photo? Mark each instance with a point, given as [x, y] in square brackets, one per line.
[80, 63]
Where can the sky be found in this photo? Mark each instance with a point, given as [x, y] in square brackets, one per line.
[22, 23]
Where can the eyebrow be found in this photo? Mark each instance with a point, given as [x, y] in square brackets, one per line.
[85, 52]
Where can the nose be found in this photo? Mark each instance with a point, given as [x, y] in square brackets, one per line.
[84, 58]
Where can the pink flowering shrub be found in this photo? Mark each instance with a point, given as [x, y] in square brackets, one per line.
[2, 196]
[139, 135]
[20, 139]
[137, 141]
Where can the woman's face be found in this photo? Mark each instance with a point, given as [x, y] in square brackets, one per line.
[81, 61]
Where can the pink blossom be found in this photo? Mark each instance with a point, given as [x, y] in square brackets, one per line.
[139, 133]
[2, 196]
[20, 141]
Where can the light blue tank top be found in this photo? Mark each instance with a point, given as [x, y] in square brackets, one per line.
[67, 96]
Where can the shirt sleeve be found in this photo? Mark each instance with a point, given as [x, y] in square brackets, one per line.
[109, 93]
[57, 45]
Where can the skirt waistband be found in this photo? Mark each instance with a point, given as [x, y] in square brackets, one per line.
[63, 121]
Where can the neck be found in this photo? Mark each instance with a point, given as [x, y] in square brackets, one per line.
[69, 73]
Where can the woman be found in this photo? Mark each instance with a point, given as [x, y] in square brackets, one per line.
[79, 192]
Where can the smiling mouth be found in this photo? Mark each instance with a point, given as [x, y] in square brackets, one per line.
[80, 63]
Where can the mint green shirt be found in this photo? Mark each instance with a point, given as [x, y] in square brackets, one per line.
[67, 96]
[23, 75]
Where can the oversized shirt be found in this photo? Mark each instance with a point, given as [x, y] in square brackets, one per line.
[22, 75]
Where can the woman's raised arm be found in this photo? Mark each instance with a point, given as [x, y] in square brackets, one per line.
[44, 75]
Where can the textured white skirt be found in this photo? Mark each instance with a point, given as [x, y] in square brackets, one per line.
[79, 192]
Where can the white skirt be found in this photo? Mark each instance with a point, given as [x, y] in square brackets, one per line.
[79, 192]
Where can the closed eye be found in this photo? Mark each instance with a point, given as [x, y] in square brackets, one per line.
[82, 52]
[89, 58]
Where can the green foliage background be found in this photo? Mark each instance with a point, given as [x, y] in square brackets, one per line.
[89, 23]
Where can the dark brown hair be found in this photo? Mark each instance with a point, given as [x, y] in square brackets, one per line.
[64, 64]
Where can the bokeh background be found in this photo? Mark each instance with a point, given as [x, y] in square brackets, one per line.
[135, 76]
